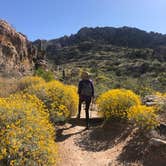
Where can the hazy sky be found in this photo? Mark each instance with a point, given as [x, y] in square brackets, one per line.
[48, 19]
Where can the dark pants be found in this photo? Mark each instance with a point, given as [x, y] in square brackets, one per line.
[87, 100]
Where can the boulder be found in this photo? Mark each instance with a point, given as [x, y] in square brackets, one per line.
[157, 142]
[151, 100]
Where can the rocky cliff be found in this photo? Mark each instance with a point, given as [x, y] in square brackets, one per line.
[17, 55]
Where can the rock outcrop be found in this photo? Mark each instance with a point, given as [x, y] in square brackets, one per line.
[17, 55]
[157, 142]
[151, 100]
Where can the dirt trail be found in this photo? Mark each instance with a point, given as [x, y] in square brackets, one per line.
[115, 144]
[80, 147]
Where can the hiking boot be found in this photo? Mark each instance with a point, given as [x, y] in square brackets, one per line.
[87, 127]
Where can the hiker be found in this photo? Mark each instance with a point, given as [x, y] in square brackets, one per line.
[86, 94]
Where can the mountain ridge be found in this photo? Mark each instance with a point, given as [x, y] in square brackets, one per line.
[122, 36]
[117, 57]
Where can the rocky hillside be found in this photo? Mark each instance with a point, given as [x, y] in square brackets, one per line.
[17, 55]
[124, 37]
[117, 57]
[105, 39]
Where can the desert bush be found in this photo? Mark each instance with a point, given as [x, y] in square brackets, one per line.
[116, 103]
[145, 117]
[139, 86]
[26, 136]
[29, 81]
[162, 96]
[61, 100]
[161, 106]
[46, 75]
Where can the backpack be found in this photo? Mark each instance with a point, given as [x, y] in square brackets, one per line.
[86, 89]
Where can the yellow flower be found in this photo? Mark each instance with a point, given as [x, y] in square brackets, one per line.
[116, 102]
[144, 116]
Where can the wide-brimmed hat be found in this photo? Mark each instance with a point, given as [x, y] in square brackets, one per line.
[85, 75]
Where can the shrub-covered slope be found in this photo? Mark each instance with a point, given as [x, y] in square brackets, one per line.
[116, 57]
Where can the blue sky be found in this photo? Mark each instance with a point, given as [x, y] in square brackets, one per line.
[48, 19]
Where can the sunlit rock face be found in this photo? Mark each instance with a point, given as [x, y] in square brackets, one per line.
[16, 52]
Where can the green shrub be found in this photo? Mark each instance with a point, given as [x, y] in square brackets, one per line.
[46, 75]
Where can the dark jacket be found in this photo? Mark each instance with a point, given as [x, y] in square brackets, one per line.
[80, 85]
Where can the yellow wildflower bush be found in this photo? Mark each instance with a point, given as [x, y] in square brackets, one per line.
[29, 81]
[145, 117]
[161, 97]
[61, 100]
[116, 103]
[26, 135]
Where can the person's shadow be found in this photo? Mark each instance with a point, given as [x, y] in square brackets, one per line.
[104, 137]
[73, 123]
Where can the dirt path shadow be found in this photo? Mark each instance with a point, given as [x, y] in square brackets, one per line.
[102, 138]
[62, 137]
[74, 122]
[138, 149]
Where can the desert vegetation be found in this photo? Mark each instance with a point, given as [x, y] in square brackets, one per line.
[125, 104]
[27, 136]
[29, 112]
[27, 132]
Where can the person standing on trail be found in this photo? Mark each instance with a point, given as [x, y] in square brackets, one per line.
[86, 94]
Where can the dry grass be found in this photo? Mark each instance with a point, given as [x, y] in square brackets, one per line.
[7, 86]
